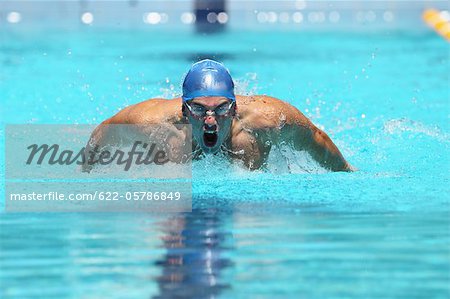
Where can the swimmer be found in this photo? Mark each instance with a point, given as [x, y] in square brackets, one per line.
[242, 127]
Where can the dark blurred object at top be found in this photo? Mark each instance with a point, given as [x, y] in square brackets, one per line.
[207, 15]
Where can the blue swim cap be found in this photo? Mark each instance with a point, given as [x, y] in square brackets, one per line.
[208, 78]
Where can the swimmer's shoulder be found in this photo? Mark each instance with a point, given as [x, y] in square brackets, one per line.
[265, 112]
[152, 111]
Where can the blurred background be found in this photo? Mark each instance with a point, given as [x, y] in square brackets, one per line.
[213, 15]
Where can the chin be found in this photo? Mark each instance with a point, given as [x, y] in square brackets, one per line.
[210, 149]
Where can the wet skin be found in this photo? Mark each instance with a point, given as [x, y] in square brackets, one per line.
[247, 132]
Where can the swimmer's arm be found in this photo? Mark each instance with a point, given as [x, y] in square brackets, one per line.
[298, 130]
[98, 136]
[320, 146]
[150, 112]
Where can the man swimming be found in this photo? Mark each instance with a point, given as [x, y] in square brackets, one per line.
[242, 127]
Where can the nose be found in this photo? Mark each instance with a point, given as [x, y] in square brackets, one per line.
[210, 120]
[210, 123]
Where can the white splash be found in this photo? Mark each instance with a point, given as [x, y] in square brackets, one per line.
[284, 159]
[247, 85]
[396, 126]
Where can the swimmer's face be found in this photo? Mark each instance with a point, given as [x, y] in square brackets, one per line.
[211, 119]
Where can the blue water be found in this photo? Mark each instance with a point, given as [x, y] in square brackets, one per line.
[293, 230]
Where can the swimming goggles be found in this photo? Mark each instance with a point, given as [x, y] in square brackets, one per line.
[201, 111]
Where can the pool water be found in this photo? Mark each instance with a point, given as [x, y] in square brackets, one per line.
[292, 230]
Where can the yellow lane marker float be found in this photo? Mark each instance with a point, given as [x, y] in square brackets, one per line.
[439, 21]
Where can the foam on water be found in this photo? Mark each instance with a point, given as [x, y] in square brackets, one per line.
[399, 126]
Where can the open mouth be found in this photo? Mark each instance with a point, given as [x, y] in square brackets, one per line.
[210, 138]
